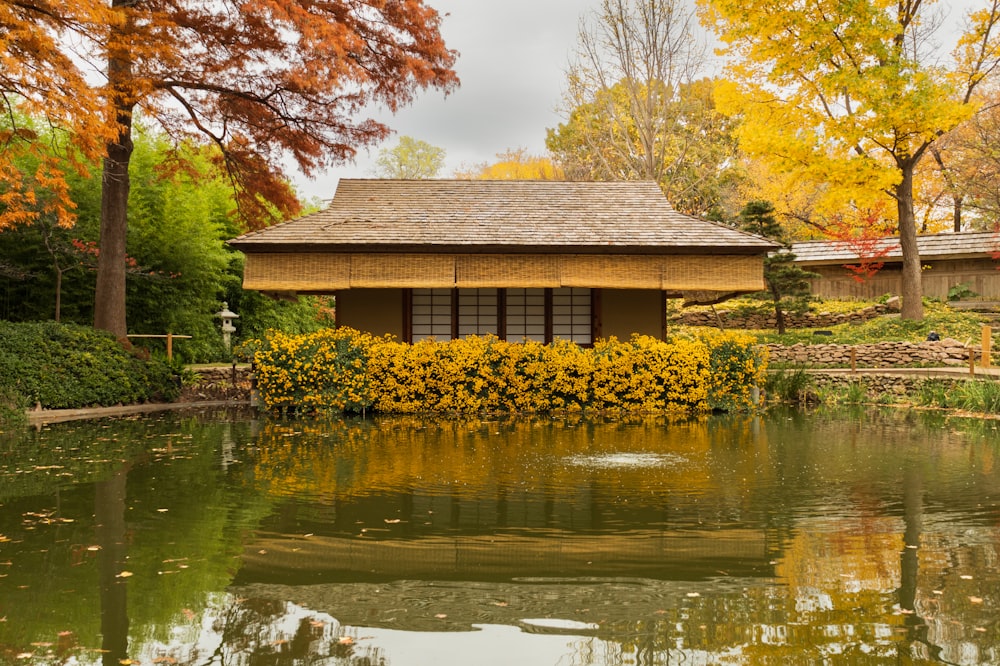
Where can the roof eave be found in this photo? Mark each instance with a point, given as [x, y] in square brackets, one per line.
[497, 248]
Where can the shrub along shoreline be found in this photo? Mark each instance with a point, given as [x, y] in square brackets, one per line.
[344, 370]
[67, 366]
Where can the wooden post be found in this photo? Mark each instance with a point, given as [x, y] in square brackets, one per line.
[987, 344]
[170, 346]
[854, 360]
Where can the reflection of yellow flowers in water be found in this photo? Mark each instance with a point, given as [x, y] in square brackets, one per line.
[345, 370]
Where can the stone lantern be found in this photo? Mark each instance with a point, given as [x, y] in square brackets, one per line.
[227, 316]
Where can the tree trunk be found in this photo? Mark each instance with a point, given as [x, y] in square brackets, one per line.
[779, 315]
[109, 298]
[912, 286]
[957, 214]
[59, 274]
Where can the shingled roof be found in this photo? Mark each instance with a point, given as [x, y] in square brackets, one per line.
[962, 245]
[472, 216]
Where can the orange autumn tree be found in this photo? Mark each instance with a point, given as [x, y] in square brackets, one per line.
[42, 88]
[260, 80]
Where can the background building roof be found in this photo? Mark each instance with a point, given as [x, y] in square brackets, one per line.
[962, 245]
[501, 216]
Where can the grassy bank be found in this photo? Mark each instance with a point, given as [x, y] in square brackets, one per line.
[939, 317]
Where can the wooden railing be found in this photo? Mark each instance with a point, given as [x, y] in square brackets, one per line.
[170, 337]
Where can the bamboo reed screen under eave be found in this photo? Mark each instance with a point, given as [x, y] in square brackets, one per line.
[319, 272]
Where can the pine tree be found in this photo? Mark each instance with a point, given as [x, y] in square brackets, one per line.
[787, 283]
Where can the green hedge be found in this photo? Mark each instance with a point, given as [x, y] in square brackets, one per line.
[66, 366]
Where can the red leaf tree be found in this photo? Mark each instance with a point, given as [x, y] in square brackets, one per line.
[258, 79]
[865, 234]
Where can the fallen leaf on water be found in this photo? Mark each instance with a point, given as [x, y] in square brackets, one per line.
[693, 594]
[93, 548]
[188, 613]
[965, 577]
[162, 510]
[392, 521]
[345, 640]
[124, 574]
[976, 600]
[441, 616]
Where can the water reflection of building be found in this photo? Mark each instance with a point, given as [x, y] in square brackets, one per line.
[680, 555]
[536, 498]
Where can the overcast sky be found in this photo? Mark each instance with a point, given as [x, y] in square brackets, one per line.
[512, 63]
[513, 56]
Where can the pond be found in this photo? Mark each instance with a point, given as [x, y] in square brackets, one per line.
[221, 538]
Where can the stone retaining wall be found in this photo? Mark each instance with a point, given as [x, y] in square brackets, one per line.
[764, 321]
[219, 383]
[877, 386]
[878, 355]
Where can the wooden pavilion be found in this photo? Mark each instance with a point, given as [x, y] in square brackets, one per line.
[518, 259]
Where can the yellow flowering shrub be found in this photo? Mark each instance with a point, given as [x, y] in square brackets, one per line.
[325, 370]
[344, 370]
[737, 368]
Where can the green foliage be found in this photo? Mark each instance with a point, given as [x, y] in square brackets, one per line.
[650, 130]
[977, 396]
[180, 271]
[981, 396]
[853, 394]
[963, 326]
[62, 366]
[410, 158]
[959, 291]
[787, 283]
[791, 385]
[934, 393]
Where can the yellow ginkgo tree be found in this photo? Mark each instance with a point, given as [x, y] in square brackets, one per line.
[852, 94]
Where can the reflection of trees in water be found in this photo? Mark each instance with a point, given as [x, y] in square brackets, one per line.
[268, 632]
[109, 517]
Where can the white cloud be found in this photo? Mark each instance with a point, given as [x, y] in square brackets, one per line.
[512, 64]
